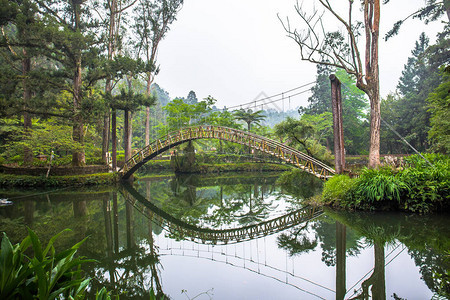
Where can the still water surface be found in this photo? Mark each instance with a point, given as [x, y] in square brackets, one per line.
[237, 236]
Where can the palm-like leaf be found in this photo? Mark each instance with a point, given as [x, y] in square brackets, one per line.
[249, 116]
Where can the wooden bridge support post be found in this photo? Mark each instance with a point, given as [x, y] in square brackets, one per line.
[338, 129]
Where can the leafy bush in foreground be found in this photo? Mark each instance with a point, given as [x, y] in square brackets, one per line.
[46, 274]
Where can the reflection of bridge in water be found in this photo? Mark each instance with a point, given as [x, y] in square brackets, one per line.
[258, 266]
[183, 230]
[285, 153]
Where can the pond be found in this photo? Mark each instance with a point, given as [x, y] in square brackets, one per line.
[236, 236]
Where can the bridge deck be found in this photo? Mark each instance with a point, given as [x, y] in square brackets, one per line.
[287, 154]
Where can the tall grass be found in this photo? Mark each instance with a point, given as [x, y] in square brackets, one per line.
[376, 188]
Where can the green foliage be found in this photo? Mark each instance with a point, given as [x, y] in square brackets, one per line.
[419, 188]
[408, 111]
[429, 186]
[131, 101]
[26, 181]
[103, 294]
[42, 139]
[354, 110]
[439, 107]
[181, 114]
[376, 188]
[47, 136]
[305, 133]
[249, 116]
[432, 11]
[336, 190]
[13, 271]
[45, 275]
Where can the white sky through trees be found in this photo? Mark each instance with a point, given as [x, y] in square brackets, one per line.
[236, 50]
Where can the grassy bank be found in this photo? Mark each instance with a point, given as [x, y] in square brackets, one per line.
[419, 187]
[27, 181]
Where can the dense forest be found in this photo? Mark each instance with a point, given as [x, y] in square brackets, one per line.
[78, 81]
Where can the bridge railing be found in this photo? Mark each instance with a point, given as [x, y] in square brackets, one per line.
[254, 141]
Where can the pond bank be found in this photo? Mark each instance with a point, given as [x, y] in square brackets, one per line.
[22, 179]
[28, 181]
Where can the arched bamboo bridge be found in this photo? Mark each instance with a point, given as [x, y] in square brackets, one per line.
[260, 143]
[196, 234]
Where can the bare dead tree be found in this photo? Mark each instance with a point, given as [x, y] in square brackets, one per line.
[341, 50]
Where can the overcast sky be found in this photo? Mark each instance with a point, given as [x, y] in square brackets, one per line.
[237, 50]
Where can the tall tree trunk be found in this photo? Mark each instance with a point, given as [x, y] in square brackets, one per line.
[78, 156]
[128, 134]
[27, 124]
[114, 140]
[105, 135]
[147, 125]
[372, 88]
[147, 111]
[108, 85]
[375, 129]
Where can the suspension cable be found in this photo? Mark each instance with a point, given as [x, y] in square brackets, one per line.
[254, 102]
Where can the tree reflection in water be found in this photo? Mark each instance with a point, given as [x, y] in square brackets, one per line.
[124, 240]
[127, 267]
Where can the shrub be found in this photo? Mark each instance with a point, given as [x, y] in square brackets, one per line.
[429, 185]
[378, 189]
[336, 191]
[420, 188]
[62, 161]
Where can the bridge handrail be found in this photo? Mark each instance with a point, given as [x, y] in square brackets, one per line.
[186, 134]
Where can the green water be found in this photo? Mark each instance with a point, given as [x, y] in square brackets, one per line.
[237, 236]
